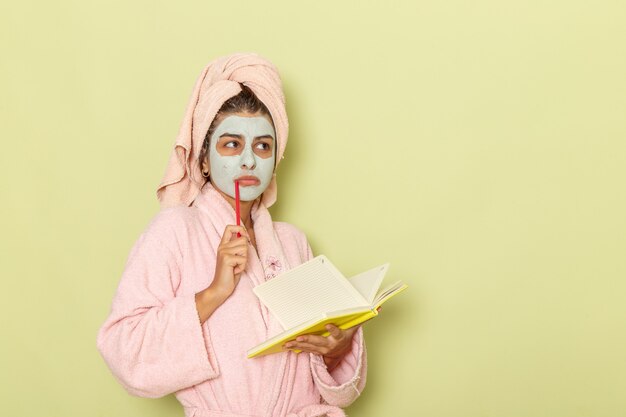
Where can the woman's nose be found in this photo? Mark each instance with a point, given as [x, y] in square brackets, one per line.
[247, 158]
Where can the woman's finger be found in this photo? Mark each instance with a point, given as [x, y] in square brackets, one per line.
[234, 250]
[307, 347]
[235, 260]
[238, 243]
[314, 340]
[243, 240]
[351, 331]
[334, 331]
[231, 231]
[240, 268]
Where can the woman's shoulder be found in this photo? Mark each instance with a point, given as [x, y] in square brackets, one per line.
[174, 216]
[171, 221]
[285, 228]
[288, 232]
[292, 237]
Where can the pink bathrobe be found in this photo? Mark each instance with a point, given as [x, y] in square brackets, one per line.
[154, 344]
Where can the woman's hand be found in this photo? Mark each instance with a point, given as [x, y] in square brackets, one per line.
[232, 258]
[332, 347]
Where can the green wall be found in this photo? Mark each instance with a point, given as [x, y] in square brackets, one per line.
[478, 146]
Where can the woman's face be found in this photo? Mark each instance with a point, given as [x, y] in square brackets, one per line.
[242, 147]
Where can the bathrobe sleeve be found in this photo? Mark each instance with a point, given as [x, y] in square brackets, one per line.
[153, 341]
[344, 384]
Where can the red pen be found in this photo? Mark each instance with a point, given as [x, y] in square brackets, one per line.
[237, 210]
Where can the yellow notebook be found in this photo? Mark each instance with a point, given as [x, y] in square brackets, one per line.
[306, 298]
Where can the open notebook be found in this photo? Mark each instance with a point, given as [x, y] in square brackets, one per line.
[308, 297]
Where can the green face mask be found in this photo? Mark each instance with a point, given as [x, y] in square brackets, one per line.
[243, 148]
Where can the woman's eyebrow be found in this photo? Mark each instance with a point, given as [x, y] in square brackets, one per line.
[232, 135]
[238, 136]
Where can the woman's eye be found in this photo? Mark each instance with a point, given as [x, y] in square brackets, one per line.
[263, 146]
[232, 144]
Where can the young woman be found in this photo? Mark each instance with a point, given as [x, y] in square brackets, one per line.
[184, 314]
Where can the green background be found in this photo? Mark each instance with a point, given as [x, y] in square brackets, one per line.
[478, 146]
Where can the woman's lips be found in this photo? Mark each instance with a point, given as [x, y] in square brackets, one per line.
[248, 181]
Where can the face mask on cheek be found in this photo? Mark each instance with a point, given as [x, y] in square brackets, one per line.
[253, 171]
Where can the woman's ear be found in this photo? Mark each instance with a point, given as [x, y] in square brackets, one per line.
[206, 168]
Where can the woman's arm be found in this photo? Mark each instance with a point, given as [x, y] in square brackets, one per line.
[343, 384]
[232, 258]
[153, 340]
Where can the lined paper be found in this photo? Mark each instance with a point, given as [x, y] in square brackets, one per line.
[308, 292]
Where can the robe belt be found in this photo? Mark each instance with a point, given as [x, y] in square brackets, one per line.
[313, 410]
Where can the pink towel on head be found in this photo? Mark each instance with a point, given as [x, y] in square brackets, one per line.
[219, 81]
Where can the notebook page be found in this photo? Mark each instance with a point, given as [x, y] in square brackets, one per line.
[367, 283]
[387, 290]
[307, 292]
